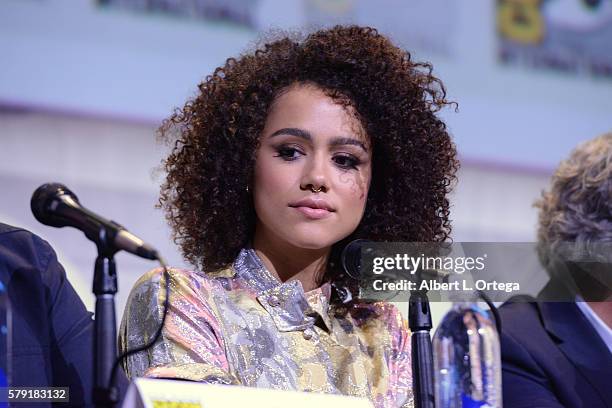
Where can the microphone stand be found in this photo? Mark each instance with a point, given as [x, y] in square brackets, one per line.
[105, 328]
[419, 321]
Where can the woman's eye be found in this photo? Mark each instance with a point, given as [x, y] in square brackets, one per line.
[288, 153]
[346, 162]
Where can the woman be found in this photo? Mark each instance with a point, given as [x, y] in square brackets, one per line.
[285, 155]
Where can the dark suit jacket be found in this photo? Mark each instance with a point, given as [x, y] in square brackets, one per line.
[52, 330]
[553, 357]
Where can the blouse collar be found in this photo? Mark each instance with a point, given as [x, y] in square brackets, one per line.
[290, 307]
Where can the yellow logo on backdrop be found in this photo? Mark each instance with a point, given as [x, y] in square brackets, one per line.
[520, 20]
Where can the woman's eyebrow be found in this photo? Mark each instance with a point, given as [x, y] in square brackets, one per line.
[340, 141]
[304, 134]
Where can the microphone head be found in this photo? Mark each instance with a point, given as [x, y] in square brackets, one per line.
[351, 257]
[42, 199]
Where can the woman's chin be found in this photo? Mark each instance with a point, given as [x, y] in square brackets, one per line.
[309, 243]
[314, 241]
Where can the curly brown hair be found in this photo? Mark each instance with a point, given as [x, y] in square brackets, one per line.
[215, 137]
[577, 211]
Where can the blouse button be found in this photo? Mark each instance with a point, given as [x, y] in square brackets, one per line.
[273, 301]
[307, 334]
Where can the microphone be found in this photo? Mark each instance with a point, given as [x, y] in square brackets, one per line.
[351, 257]
[53, 204]
[419, 319]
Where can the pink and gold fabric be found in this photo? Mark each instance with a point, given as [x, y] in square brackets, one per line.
[242, 326]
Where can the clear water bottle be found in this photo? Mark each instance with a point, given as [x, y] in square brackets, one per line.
[467, 361]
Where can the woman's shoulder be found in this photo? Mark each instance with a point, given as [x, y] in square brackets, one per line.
[182, 280]
[188, 290]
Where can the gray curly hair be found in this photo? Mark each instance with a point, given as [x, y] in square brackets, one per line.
[576, 214]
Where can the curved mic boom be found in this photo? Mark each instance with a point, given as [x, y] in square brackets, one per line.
[55, 205]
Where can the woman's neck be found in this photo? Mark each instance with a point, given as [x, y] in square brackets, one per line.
[287, 262]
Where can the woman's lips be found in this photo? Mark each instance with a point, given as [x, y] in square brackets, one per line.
[314, 208]
[314, 213]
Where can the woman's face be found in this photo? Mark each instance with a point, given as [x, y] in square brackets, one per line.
[312, 171]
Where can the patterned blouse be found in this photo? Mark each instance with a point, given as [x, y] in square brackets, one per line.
[242, 326]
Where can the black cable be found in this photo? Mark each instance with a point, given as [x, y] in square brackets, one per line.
[496, 316]
[147, 345]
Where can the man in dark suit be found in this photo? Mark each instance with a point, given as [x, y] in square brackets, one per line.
[557, 349]
[52, 331]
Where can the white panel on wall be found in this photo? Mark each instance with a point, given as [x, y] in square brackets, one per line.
[119, 61]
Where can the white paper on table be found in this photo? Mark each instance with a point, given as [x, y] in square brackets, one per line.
[153, 393]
